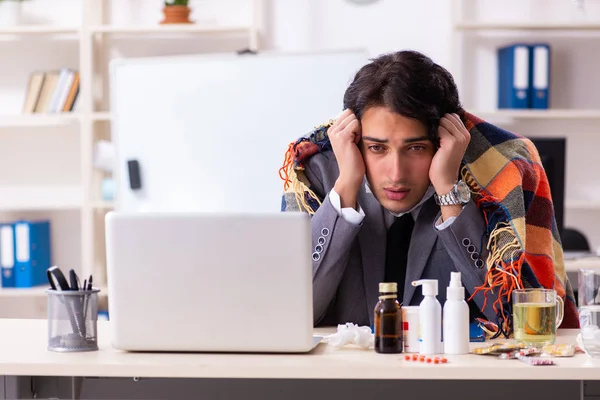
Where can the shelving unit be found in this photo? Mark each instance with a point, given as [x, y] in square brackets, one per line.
[474, 42]
[39, 30]
[39, 120]
[541, 114]
[472, 26]
[198, 29]
[92, 119]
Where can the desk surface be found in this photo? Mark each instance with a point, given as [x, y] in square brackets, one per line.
[584, 262]
[23, 352]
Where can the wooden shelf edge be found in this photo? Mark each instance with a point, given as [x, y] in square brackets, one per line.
[37, 291]
[38, 120]
[540, 114]
[39, 30]
[159, 29]
[583, 204]
[482, 26]
[103, 205]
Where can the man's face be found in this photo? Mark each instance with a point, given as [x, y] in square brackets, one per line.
[397, 154]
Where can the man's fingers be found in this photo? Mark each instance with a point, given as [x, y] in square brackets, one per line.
[452, 119]
[353, 128]
[444, 133]
[341, 117]
[346, 121]
[449, 127]
[460, 127]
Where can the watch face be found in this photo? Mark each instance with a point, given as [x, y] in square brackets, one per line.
[464, 194]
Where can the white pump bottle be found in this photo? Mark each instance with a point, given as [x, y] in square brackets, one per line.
[430, 314]
[456, 317]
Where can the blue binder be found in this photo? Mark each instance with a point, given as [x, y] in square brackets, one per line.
[7, 254]
[513, 76]
[32, 252]
[540, 75]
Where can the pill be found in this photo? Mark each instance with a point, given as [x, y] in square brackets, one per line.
[407, 358]
[415, 357]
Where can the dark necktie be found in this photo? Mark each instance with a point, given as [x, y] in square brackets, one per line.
[396, 258]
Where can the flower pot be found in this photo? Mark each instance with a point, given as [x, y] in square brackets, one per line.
[10, 13]
[176, 15]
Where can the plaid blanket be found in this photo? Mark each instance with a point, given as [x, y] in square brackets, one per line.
[510, 187]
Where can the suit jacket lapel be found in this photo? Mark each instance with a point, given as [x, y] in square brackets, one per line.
[372, 238]
[422, 240]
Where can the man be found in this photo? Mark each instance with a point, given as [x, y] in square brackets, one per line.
[406, 185]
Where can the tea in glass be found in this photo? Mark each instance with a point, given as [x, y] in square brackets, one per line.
[537, 313]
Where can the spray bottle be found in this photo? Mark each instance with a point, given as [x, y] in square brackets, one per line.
[456, 317]
[430, 315]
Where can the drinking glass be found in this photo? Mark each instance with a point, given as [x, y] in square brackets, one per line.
[537, 313]
[588, 300]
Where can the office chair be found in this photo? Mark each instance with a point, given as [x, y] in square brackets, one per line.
[574, 240]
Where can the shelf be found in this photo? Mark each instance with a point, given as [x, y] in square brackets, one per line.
[101, 117]
[30, 198]
[37, 291]
[41, 120]
[38, 30]
[103, 205]
[33, 120]
[539, 114]
[583, 204]
[466, 26]
[183, 28]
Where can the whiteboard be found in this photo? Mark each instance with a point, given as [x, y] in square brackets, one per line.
[210, 132]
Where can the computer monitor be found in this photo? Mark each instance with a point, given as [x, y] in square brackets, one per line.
[553, 155]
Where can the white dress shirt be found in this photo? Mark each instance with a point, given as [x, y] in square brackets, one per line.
[356, 216]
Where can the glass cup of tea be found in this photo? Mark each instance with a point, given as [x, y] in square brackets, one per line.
[537, 313]
[588, 301]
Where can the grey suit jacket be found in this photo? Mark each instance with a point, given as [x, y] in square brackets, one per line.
[349, 259]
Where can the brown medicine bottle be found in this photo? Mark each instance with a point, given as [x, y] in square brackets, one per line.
[388, 320]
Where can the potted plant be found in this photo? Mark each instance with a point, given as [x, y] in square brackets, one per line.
[176, 12]
[10, 12]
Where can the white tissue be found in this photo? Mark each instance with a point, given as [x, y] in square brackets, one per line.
[104, 156]
[352, 334]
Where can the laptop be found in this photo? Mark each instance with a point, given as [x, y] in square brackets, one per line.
[210, 282]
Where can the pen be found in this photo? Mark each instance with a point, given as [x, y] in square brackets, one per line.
[59, 282]
[86, 298]
[74, 280]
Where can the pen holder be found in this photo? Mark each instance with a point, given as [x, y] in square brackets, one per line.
[72, 320]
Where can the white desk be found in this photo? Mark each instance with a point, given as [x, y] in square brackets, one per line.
[585, 262]
[23, 353]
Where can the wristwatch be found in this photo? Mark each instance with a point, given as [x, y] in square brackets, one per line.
[459, 194]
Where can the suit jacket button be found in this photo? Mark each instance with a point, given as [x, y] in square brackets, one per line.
[479, 263]
[318, 248]
[316, 256]
[471, 248]
[321, 240]
[466, 242]
[474, 256]
[325, 232]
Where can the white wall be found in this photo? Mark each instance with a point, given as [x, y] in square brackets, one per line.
[387, 25]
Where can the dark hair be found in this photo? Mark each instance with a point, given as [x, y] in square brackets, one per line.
[407, 82]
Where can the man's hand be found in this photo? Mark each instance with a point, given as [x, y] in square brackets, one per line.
[344, 135]
[454, 139]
